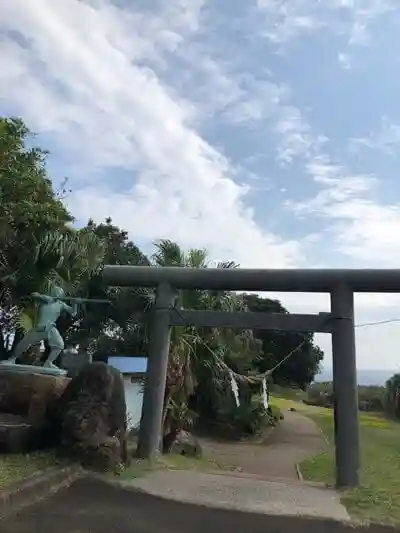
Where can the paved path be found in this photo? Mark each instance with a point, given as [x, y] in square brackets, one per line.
[254, 489]
[92, 506]
[267, 481]
[244, 494]
[275, 457]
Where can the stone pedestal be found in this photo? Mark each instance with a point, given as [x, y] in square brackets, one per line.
[27, 401]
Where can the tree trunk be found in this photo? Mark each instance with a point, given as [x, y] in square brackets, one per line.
[169, 439]
[167, 398]
[4, 354]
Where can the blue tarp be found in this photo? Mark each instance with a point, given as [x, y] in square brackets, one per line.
[128, 365]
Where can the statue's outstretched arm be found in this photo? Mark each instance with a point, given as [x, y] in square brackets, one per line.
[72, 310]
[42, 297]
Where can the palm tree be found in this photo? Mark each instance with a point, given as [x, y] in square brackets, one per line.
[64, 259]
[200, 353]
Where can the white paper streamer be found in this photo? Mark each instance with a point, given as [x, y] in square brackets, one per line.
[235, 389]
[265, 393]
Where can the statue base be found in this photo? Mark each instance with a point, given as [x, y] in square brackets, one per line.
[31, 369]
[28, 401]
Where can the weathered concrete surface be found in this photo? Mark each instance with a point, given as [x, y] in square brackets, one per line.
[252, 495]
[263, 478]
[37, 487]
[89, 505]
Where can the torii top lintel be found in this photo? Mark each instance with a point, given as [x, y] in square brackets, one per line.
[246, 279]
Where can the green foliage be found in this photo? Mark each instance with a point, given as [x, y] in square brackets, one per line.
[39, 248]
[28, 206]
[119, 328]
[300, 369]
[180, 415]
[290, 393]
[370, 398]
[199, 356]
[250, 417]
[392, 396]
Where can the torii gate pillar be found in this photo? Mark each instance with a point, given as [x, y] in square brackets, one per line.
[345, 387]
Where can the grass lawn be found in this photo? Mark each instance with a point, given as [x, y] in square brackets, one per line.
[378, 498]
[288, 394]
[140, 467]
[17, 467]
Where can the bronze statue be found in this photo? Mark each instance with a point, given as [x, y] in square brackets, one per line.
[50, 308]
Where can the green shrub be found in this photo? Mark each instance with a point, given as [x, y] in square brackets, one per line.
[370, 398]
[289, 393]
[251, 417]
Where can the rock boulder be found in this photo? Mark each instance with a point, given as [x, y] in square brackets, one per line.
[91, 418]
[182, 443]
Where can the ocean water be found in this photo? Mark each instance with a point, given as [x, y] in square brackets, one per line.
[367, 377]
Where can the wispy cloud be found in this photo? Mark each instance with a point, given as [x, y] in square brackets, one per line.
[359, 227]
[296, 136]
[344, 61]
[286, 20]
[90, 84]
[179, 119]
[386, 139]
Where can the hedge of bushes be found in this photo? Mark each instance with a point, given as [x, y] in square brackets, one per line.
[370, 399]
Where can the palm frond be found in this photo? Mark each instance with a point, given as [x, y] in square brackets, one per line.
[24, 320]
[227, 264]
[168, 253]
[196, 258]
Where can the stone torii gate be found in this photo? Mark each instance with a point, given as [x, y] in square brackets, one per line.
[340, 284]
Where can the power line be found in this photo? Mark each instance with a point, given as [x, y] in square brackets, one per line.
[377, 323]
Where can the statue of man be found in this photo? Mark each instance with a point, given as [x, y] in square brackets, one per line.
[50, 309]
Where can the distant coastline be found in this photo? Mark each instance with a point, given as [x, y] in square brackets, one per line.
[367, 377]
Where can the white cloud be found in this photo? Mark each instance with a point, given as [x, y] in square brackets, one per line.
[257, 99]
[113, 112]
[386, 139]
[97, 78]
[358, 225]
[286, 20]
[360, 228]
[344, 61]
[376, 347]
[297, 139]
[363, 229]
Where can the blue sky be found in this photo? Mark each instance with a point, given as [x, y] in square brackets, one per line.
[267, 131]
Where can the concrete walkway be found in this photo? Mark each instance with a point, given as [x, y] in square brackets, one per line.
[244, 494]
[160, 500]
[90, 505]
[264, 478]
